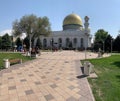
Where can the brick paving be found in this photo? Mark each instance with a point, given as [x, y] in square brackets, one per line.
[51, 77]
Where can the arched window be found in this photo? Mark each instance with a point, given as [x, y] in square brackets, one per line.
[44, 43]
[82, 41]
[75, 42]
[51, 41]
[67, 42]
[60, 42]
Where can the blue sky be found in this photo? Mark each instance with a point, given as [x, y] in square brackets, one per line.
[103, 14]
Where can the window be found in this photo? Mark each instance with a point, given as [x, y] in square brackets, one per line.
[82, 41]
[67, 42]
[60, 42]
[75, 42]
[44, 43]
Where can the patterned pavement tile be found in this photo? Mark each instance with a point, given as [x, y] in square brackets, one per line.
[50, 77]
[23, 80]
[28, 92]
[43, 77]
[53, 86]
[19, 73]
[57, 78]
[30, 75]
[49, 97]
[11, 87]
[38, 83]
[71, 99]
[71, 87]
[36, 71]
[9, 78]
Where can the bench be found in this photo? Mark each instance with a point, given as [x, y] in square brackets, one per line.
[7, 62]
[14, 61]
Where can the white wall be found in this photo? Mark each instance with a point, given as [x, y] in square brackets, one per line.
[68, 34]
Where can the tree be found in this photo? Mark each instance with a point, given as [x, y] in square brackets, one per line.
[100, 37]
[108, 43]
[18, 43]
[116, 44]
[0, 42]
[33, 26]
[26, 42]
[6, 41]
[43, 27]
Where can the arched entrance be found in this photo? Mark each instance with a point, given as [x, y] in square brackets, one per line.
[75, 43]
[82, 41]
[68, 44]
[60, 43]
[44, 43]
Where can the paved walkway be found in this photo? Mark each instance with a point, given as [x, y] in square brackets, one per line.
[51, 77]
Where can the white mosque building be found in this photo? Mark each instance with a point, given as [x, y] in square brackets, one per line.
[74, 35]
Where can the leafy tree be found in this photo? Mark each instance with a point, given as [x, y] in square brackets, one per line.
[108, 43]
[6, 41]
[18, 42]
[116, 44]
[32, 25]
[100, 37]
[0, 42]
[26, 42]
[42, 27]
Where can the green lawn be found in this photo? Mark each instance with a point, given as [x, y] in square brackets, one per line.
[12, 56]
[107, 86]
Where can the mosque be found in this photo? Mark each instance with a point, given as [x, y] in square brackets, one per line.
[74, 35]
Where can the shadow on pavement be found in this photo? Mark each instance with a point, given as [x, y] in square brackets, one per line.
[81, 76]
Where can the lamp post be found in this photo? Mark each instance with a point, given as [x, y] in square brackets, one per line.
[86, 51]
[86, 45]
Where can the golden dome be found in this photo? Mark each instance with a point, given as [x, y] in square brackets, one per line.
[72, 19]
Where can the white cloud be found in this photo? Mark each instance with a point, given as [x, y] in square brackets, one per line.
[9, 31]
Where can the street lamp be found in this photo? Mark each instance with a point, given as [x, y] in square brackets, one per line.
[86, 45]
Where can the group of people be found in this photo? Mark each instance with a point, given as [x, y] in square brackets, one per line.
[35, 50]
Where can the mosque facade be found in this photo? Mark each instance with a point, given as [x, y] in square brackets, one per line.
[74, 35]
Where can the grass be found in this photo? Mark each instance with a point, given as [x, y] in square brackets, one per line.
[107, 86]
[12, 56]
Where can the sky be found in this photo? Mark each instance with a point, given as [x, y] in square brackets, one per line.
[103, 14]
